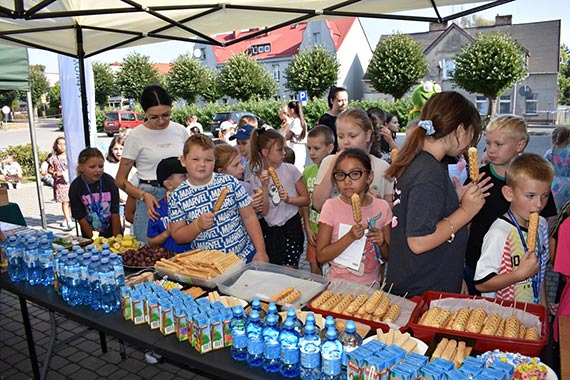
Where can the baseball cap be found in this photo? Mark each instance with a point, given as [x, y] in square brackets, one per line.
[168, 167]
[243, 133]
[226, 125]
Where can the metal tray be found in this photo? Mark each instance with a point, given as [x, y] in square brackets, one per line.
[263, 280]
[199, 281]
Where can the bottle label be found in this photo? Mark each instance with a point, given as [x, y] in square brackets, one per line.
[239, 340]
[255, 346]
[331, 366]
[310, 359]
[289, 356]
[271, 350]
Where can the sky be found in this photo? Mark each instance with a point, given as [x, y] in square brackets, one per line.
[523, 11]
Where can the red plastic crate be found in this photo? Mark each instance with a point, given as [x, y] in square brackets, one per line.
[483, 342]
[372, 324]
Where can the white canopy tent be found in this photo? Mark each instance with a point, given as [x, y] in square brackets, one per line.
[84, 28]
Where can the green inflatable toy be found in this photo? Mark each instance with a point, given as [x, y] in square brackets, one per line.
[420, 96]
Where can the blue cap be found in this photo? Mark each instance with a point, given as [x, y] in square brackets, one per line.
[243, 133]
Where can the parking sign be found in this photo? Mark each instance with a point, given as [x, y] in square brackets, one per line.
[302, 97]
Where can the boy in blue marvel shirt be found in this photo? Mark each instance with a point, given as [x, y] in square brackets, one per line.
[169, 173]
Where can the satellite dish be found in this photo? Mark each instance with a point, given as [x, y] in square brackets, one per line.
[197, 53]
[525, 91]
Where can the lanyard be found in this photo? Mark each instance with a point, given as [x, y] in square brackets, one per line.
[95, 206]
[536, 279]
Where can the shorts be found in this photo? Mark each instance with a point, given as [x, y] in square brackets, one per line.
[311, 253]
[284, 244]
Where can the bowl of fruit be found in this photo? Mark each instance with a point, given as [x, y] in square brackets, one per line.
[144, 257]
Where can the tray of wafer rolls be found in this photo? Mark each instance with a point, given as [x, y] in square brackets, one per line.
[287, 287]
[494, 324]
[369, 305]
[200, 267]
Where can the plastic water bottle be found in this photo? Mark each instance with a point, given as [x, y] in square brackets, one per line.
[74, 297]
[32, 258]
[271, 349]
[256, 305]
[331, 354]
[329, 324]
[254, 333]
[117, 263]
[289, 343]
[310, 347]
[110, 300]
[291, 314]
[45, 253]
[350, 340]
[311, 319]
[272, 309]
[16, 265]
[93, 271]
[85, 289]
[60, 257]
[62, 276]
[237, 327]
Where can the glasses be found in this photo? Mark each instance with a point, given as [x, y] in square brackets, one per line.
[354, 175]
[154, 118]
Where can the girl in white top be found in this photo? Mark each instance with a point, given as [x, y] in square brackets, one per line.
[147, 145]
[354, 130]
[297, 134]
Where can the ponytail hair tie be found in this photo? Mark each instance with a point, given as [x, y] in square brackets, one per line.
[428, 126]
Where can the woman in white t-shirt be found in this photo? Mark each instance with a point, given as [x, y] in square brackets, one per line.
[297, 134]
[145, 146]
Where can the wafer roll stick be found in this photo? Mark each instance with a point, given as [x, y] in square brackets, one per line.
[473, 164]
[221, 199]
[532, 231]
[532, 334]
[322, 298]
[356, 211]
[394, 154]
[392, 314]
[274, 177]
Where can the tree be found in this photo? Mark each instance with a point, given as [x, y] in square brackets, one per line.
[39, 84]
[314, 70]
[474, 20]
[243, 78]
[489, 65]
[212, 91]
[187, 78]
[136, 74]
[397, 64]
[104, 83]
[564, 76]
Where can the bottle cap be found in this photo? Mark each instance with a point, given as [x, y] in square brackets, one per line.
[291, 313]
[310, 317]
[331, 334]
[329, 322]
[289, 324]
[309, 328]
[254, 315]
[271, 319]
[237, 311]
[272, 308]
[350, 327]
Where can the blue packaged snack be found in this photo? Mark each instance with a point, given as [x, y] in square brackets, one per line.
[456, 375]
[432, 372]
[374, 346]
[421, 358]
[478, 362]
[398, 351]
[509, 369]
[401, 372]
[494, 374]
[445, 364]
[470, 370]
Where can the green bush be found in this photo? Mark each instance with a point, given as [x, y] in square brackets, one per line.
[24, 156]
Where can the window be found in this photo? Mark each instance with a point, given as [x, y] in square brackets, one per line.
[447, 68]
[254, 50]
[482, 105]
[202, 53]
[317, 38]
[531, 104]
[505, 104]
[275, 70]
[267, 48]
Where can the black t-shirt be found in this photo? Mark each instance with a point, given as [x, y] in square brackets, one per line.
[424, 195]
[330, 121]
[97, 204]
[495, 206]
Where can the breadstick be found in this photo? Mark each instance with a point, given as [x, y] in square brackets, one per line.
[442, 318]
[274, 177]
[221, 199]
[532, 231]
[451, 320]
[331, 302]
[322, 298]
[449, 351]
[459, 354]
[343, 304]
[473, 164]
[429, 316]
[512, 327]
[356, 211]
[394, 154]
[392, 314]
[439, 349]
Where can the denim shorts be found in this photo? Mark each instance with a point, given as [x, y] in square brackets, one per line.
[140, 224]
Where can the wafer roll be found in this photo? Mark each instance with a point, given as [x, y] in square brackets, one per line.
[476, 321]
[442, 317]
[281, 294]
[394, 154]
[522, 331]
[356, 211]
[429, 316]
[451, 320]
[532, 334]
[295, 294]
[382, 307]
[356, 303]
[392, 314]
[461, 320]
[512, 327]
[343, 304]
[372, 301]
[501, 328]
[473, 164]
[532, 231]
[450, 349]
[491, 324]
[439, 348]
[459, 354]
[322, 298]
[274, 177]
[331, 302]
[221, 199]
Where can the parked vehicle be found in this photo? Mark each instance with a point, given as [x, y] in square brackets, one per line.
[220, 117]
[115, 120]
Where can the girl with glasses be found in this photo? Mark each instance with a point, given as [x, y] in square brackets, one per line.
[145, 146]
[341, 236]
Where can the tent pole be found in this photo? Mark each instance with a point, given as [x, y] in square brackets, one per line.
[36, 160]
[83, 87]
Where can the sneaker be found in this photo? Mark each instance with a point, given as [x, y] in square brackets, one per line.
[152, 357]
[70, 226]
[63, 224]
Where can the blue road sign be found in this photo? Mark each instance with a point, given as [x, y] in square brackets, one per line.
[302, 96]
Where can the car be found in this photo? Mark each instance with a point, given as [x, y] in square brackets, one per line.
[220, 117]
[115, 120]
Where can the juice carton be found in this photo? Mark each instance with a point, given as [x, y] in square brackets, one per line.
[167, 326]
[455, 375]
[226, 319]
[375, 368]
[432, 372]
[375, 346]
[138, 310]
[445, 364]
[401, 372]
[509, 369]
[494, 374]
[471, 370]
[126, 305]
[415, 357]
[152, 312]
[201, 333]
[216, 329]
[355, 365]
[180, 321]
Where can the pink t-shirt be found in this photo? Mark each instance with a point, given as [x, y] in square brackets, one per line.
[336, 212]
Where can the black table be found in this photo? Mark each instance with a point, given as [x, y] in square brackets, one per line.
[218, 363]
